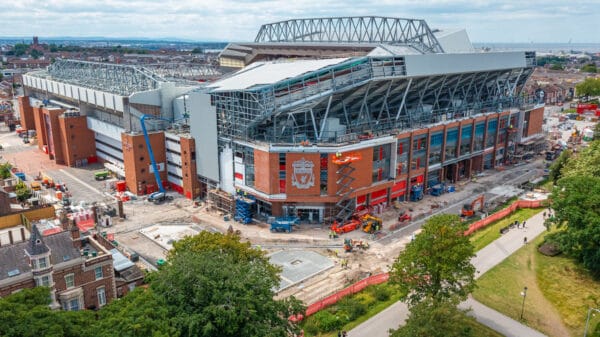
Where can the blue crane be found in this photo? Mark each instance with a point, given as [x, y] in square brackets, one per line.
[161, 194]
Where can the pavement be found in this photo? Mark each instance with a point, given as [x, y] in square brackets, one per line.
[391, 318]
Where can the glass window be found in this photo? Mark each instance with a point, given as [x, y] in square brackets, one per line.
[74, 304]
[98, 272]
[70, 280]
[42, 263]
[101, 296]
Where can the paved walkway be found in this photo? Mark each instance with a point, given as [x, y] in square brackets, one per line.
[487, 258]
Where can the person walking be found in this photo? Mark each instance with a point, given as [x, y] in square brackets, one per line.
[525, 240]
[523, 224]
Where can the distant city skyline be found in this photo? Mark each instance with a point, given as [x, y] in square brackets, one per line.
[507, 21]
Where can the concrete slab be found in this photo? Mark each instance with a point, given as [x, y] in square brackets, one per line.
[299, 265]
[166, 235]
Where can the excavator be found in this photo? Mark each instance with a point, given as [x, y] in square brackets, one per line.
[468, 210]
[349, 244]
[371, 224]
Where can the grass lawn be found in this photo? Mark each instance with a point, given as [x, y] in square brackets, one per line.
[487, 235]
[558, 293]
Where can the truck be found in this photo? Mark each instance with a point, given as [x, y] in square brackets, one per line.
[101, 175]
[284, 224]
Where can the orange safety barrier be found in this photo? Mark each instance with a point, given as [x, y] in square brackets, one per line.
[504, 213]
[353, 289]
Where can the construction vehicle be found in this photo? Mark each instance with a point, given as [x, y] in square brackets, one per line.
[438, 189]
[349, 244]
[161, 195]
[284, 224]
[348, 226]
[101, 175]
[371, 224]
[416, 192]
[468, 210]
[36, 186]
[47, 181]
[404, 216]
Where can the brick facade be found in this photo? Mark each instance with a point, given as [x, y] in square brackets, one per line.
[77, 140]
[136, 159]
[26, 113]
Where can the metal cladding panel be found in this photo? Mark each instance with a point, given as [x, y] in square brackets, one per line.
[75, 92]
[109, 100]
[203, 127]
[438, 64]
[90, 96]
[61, 89]
[99, 98]
[42, 84]
[119, 103]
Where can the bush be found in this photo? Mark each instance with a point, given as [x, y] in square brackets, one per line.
[366, 298]
[326, 321]
[382, 293]
[352, 307]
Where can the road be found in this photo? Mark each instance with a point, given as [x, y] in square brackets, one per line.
[487, 258]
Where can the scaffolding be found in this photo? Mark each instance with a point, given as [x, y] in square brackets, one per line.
[115, 78]
[221, 201]
[346, 205]
[361, 29]
[363, 95]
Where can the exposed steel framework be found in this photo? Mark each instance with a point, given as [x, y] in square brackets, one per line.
[361, 29]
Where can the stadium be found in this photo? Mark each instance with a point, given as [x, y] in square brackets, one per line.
[318, 118]
[330, 115]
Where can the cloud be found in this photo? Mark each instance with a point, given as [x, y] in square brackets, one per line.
[239, 20]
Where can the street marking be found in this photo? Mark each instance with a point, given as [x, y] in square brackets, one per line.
[82, 182]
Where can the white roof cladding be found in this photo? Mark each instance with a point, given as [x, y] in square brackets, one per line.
[260, 73]
[439, 64]
[454, 40]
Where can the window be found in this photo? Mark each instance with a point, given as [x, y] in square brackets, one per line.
[101, 296]
[43, 281]
[74, 304]
[98, 272]
[70, 280]
[42, 263]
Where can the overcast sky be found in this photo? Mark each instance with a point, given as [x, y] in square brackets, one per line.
[239, 20]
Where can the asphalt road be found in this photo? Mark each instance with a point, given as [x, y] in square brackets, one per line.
[391, 318]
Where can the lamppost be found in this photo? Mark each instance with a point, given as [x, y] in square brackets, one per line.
[587, 321]
[524, 294]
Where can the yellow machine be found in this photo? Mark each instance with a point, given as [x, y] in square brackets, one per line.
[371, 224]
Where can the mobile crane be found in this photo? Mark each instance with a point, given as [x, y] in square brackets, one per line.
[161, 195]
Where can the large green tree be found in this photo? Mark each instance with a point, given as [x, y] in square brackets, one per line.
[576, 202]
[215, 285]
[557, 166]
[589, 87]
[585, 163]
[27, 314]
[436, 265]
[430, 319]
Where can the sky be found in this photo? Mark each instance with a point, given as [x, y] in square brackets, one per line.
[511, 21]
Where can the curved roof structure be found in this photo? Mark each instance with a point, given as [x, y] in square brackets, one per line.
[361, 29]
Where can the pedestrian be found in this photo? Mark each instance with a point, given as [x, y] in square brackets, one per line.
[344, 334]
[339, 334]
[523, 224]
[525, 240]
[544, 214]
[517, 224]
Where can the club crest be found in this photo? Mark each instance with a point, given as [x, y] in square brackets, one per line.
[303, 177]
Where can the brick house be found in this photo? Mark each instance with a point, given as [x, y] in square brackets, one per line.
[79, 271]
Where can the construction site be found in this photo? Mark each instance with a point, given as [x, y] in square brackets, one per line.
[326, 148]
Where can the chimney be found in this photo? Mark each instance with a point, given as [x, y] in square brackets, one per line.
[75, 235]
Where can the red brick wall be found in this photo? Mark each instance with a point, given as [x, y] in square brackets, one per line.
[137, 160]
[363, 173]
[536, 119]
[266, 166]
[76, 139]
[26, 113]
[191, 185]
[292, 190]
[53, 114]
[40, 127]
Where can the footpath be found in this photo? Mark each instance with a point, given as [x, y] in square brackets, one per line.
[494, 253]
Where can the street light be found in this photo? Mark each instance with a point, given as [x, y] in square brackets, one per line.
[524, 294]
[587, 321]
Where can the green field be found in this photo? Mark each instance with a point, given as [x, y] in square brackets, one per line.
[558, 293]
[489, 234]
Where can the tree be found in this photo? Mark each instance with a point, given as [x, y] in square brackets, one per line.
[557, 166]
[557, 66]
[585, 163]
[5, 170]
[20, 49]
[197, 50]
[429, 319]
[215, 285]
[36, 54]
[23, 192]
[589, 87]
[589, 68]
[140, 313]
[437, 264]
[576, 204]
[27, 314]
